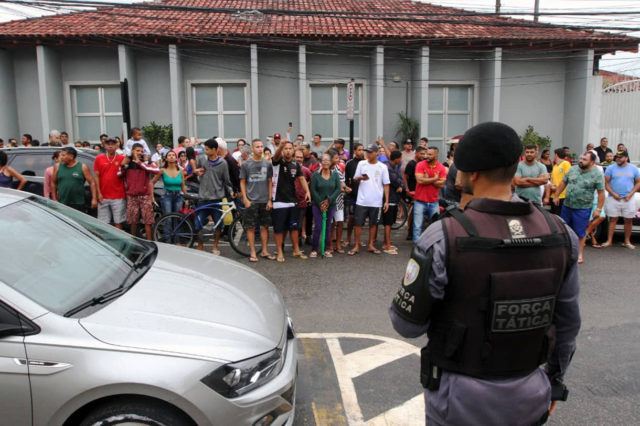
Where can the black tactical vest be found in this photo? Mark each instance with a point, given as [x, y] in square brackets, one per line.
[506, 262]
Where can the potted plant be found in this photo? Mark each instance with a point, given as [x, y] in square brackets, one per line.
[407, 128]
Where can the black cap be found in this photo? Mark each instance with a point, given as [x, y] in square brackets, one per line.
[622, 154]
[372, 148]
[487, 146]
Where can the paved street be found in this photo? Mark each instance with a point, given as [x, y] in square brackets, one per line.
[354, 369]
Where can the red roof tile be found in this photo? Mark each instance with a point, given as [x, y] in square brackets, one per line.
[291, 20]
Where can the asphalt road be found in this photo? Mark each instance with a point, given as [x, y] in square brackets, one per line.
[354, 369]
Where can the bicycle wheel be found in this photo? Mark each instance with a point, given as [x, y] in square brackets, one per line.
[238, 237]
[174, 228]
[401, 218]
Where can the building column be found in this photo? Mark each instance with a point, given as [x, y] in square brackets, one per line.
[497, 83]
[8, 106]
[302, 90]
[577, 100]
[127, 69]
[587, 134]
[379, 86]
[255, 117]
[423, 85]
[177, 94]
[50, 90]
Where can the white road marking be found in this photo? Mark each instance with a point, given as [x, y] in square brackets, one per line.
[354, 364]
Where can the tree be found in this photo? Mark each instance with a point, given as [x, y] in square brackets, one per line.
[531, 137]
[155, 133]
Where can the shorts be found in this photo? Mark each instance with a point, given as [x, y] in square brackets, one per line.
[113, 211]
[338, 216]
[389, 218]
[140, 205]
[362, 213]
[202, 217]
[625, 209]
[256, 214]
[285, 219]
[577, 219]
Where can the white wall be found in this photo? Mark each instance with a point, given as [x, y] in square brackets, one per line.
[154, 96]
[223, 63]
[278, 88]
[8, 106]
[100, 65]
[533, 93]
[396, 94]
[25, 73]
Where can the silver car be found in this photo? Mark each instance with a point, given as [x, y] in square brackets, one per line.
[98, 327]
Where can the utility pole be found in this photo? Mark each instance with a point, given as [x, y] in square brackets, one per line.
[497, 6]
[536, 10]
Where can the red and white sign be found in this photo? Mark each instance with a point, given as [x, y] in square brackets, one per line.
[351, 94]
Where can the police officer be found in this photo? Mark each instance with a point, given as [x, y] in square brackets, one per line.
[495, 288]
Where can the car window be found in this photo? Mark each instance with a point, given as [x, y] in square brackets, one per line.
[88, 161]
[60, 257]
[8, 316]
[31, 164]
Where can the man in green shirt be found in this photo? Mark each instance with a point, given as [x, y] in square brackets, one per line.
[530, 176]
[581, 181]
[67, 182]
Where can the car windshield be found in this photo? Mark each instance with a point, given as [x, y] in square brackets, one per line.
[59, 257]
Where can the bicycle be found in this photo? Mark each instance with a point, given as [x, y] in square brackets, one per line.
[179, 228]
[403, 214]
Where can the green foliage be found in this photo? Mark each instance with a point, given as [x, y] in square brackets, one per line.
[531, 137]
[407, 128]
[158, 133]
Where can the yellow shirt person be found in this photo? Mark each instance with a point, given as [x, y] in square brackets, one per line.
[558, 172]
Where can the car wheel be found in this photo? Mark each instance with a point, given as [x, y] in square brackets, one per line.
[132, 412]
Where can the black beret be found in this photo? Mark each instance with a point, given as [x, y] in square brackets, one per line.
[487, 146]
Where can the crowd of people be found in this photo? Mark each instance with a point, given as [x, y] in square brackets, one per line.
[309, 190]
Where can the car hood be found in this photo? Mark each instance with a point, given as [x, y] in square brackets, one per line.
[194, 304]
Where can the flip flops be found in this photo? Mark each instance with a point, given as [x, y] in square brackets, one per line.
[268, 256]
[253, 259]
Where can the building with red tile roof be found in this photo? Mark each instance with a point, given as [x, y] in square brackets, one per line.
[242, 69]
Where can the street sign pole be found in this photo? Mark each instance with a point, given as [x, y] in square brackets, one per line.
[351, 94]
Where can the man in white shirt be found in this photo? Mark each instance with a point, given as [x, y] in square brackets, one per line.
[373, 179]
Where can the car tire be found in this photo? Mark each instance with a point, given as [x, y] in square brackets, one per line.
[132, 412]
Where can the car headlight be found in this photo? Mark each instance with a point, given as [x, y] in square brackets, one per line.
[237, 378]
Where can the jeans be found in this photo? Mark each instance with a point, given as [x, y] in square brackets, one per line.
[171, 202]
[420, 208]
[317, 227]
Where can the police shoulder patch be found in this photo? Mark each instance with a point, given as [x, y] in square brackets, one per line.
[410, 275]
[515, 228]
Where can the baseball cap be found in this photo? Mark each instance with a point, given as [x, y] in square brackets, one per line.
[622, 154]
[454, 139]
[276, 136]
[371, 148]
